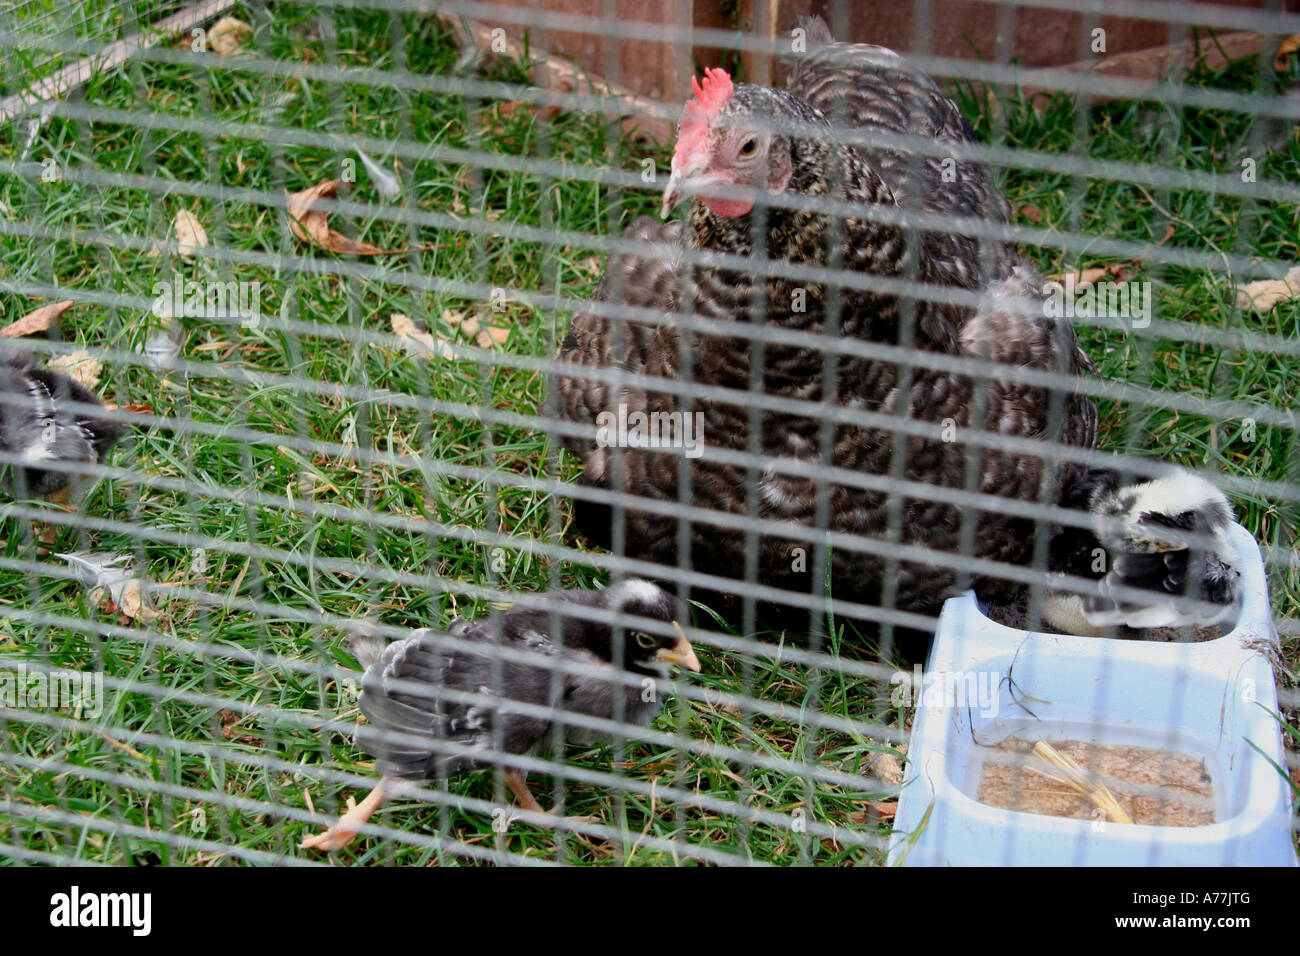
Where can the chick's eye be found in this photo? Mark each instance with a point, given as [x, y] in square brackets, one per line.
[645, 640]
[749, 147]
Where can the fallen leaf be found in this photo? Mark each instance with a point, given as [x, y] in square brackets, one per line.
[1266, 293]
[1118, 272]
[1032, 213]
[229, 35]
[37, 321]
[190, 234]
[876, 810]
[131, 602]
[492, 337]
[230, 729]
[511, 107]
[886, 767]
[419, 342]
[1288, 46]
[312, 225]
[104, 573]
[81, 367]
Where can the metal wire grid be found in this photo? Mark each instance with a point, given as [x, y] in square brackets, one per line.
[43, 29]
[447, 838]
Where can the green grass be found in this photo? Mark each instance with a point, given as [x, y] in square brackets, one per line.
[190, 758]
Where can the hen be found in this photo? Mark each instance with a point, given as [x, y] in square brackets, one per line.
[772, 178]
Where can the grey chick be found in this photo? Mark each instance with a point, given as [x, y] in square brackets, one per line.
[47, 417]
[437, 707]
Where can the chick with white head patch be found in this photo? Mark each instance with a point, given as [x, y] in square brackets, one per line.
[441, 702]
[46, 417]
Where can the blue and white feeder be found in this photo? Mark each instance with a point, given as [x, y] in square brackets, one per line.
[1215, 701]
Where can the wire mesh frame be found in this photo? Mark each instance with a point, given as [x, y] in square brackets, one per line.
[802, 823]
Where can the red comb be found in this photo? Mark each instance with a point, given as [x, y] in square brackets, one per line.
[710, 97]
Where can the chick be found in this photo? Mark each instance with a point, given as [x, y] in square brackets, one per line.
[421, 726]
[1169, 536]
[44, 417]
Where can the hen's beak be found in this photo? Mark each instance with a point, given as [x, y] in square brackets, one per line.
[680, 653]
[684, 183]
[672, 193]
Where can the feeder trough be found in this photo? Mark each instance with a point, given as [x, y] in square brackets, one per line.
[989, 692]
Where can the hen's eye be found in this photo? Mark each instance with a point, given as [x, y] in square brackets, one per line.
[749, 147]
[645, 640]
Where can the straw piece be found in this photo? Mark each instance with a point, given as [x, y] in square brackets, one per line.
[1072, 775]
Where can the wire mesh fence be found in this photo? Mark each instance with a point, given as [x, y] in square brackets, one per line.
[383, 345]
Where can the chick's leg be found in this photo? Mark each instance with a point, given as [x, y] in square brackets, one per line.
[519, 787]
[343, 832]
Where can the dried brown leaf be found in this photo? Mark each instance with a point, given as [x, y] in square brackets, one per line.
[418, 341]
[1031, 212]
[886, 767]
[492, 337]
[36, 321]
[190, 234]
[81, 367]
[512, 107]
[1263, 295]
[875, 812]
[312, 225]
[230, 729]
[134, 605]
[229, 35]
[1117, 272]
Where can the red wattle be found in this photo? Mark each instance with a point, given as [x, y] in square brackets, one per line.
[729, 208]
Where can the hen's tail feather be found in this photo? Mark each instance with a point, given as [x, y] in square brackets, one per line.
[817, 32]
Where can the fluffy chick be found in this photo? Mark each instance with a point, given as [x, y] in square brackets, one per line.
[47, 417]
[438, 705]
[1169, 536]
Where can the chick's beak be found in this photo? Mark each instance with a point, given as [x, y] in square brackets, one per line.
[680, 653]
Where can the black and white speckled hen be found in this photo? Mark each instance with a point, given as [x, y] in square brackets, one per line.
[751, 158]
[439, 703]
